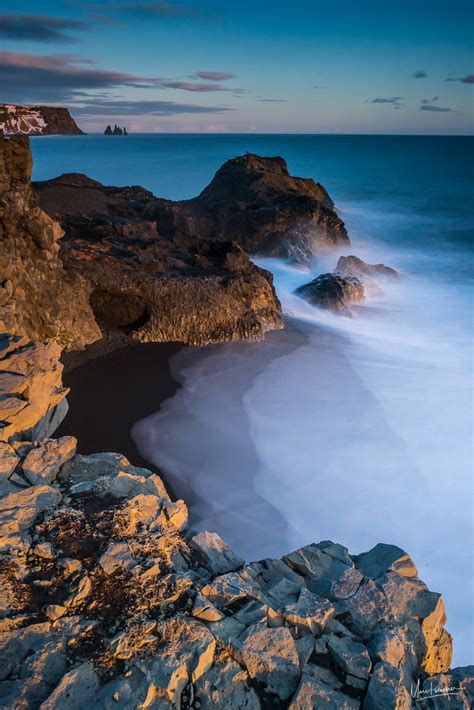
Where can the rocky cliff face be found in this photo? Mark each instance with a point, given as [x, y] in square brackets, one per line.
[37, 297]
[108, 600]
[37, 120]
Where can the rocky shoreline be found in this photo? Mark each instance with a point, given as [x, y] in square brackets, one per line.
[107, 598]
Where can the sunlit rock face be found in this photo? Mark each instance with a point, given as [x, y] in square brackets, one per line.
[37, 297]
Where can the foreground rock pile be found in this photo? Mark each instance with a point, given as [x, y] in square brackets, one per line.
[109, 600]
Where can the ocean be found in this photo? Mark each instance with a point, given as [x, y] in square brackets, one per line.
[356, 430]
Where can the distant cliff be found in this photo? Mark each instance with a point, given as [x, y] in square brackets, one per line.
[37, 120]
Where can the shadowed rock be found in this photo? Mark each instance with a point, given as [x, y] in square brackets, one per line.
[332, 292]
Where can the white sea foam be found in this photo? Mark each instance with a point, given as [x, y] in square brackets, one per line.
[356, 430]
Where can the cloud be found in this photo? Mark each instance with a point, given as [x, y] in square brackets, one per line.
[430, 101]
[469, 79]
[214, 75]
[394, 100]
[438, 109]
[60, 77]
[38, 28]
[142, 108]
[190, 86]
[420, 74]
[275, 101]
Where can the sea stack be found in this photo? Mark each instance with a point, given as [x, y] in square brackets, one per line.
[117, 131]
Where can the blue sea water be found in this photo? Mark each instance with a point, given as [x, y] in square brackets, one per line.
[357, 430]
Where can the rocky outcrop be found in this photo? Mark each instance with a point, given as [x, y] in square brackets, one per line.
[353, 266]
[253, 201]
[38, 298]
[210, 293]
[107, 599]
[332, 292]
[37, 120]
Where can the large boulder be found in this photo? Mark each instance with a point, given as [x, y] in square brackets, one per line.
[354, 266]
[332, 292]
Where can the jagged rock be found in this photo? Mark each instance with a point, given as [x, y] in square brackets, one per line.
[226, 685]
[204, 610]
[31, 373]
[386, 689]
[314, 693]
[353, 266]
[309, 612]
[18, 511]
[216, 554]
[80, 593]
[271, 657]
[410, 598]
[42, 463]
[126, 484]
[186, 656]
[75, 690]
[40, 299]
[8, 460]
[448, 691]
[366, 608]
[349, 656]
[388, 646]
[154, 513]
[332, 292]
[229, 588]
[116, 557]
[382, 558]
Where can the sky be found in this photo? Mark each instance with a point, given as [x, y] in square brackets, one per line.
[238, 66]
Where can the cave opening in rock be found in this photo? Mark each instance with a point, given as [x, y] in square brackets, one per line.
[115, 309]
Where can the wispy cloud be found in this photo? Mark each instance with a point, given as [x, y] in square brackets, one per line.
[58, 78]
[393, 100]
[469, 79]
[38, 28]
[430, 101]
[143, 108]
[437, 109]
[191, 86]
[274, 101]
[420, 74]
[144, 10]
[214, 75]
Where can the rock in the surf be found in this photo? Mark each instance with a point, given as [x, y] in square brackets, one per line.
[332, 292]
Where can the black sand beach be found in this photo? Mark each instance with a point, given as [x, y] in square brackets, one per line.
[111, 389]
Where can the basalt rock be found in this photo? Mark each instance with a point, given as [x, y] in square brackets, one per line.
[251, 200]
[332, 292]
[353, 266]
[38, 298]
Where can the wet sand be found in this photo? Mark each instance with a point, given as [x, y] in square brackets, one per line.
[111, 389]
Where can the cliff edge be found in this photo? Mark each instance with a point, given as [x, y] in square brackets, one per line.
[37, 121]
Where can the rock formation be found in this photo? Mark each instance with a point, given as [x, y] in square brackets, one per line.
[251, 200]
[37, 120]
[117, 131]
[332, 292]
[160, 291]
[108, 600]
[38, 297]
[353, 266]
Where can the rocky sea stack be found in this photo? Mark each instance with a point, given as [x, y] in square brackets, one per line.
[108, 599]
